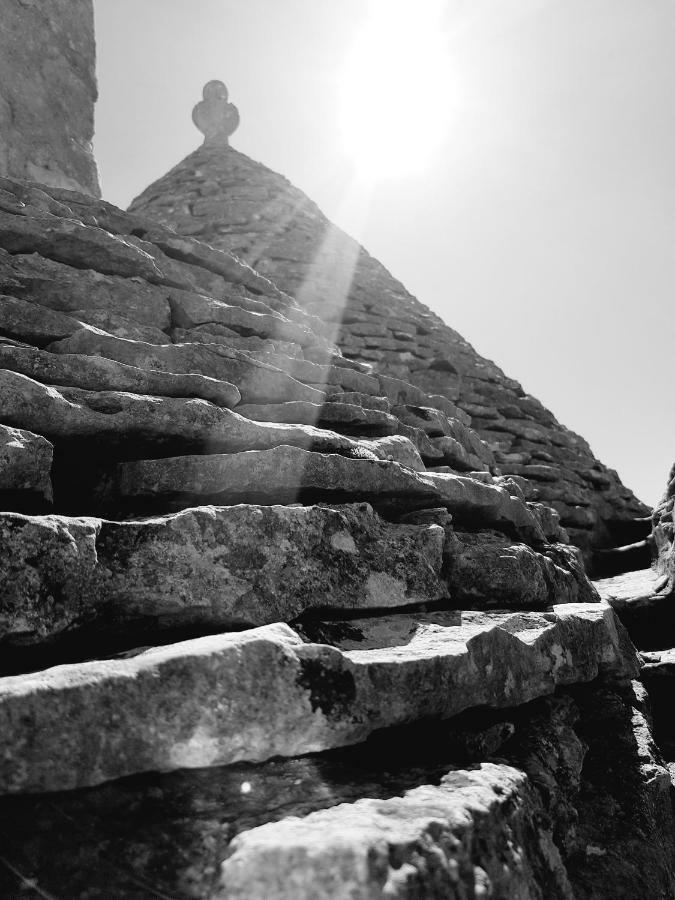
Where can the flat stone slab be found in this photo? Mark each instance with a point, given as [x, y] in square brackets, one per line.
[331, 414]
[288, 474]
[134, 421]
[261, 693]
[70, 242]
[96, 373]
[471, 833]
[217, 567]
[257, 382]
[65, 289]
[631, 589]
[29, 322]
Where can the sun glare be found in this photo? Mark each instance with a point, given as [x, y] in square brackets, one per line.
[394, 89]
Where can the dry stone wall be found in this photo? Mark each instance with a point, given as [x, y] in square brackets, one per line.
[226, 199]
[47, 92]
[244, 608]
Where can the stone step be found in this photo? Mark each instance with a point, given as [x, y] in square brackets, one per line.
[216, 567]
[262, 693]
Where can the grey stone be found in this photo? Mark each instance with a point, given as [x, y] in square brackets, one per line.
[256, 381]
[218, 567]
[96, 373]
[133, 421]
[25, 466]
[261, 693]
[47, 93]
[471, 835]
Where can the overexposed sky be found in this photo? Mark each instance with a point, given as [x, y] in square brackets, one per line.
[539, 218]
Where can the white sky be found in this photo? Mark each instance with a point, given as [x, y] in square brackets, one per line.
[542, 227]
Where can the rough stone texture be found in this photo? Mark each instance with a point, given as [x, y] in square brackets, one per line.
[232, 202]
[25, 466]
[423, 844]
[47, 93]
[483, 569]
[119, 417]
[595, 792]
[96, 373]
[287, 474]
[604, 787]
[219, 567]
[264, 693]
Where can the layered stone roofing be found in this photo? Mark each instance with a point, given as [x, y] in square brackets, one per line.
[226, 199]
[252, 644]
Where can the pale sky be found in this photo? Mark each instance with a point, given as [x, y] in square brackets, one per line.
[539, 220]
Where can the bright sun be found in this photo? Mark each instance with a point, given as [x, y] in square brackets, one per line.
[394, 89]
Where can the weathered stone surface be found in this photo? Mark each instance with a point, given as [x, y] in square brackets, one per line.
[257, 382]
[25, 465]
[190, 310]
[484, 569]
[70, 843]
[216, 567]
[130, 422]
[28, 322]
[289, 474]
[396, 448]
[584, 751]
[65, 289]
[47, 93]
[644, 603]
[119, 326]
[472, 835]
[263, 693]
[96, 373]
[345, 416]
[70, 242]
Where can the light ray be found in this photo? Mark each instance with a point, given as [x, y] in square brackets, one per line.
[396, 90]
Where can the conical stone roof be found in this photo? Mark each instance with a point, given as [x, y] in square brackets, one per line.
[228, 200]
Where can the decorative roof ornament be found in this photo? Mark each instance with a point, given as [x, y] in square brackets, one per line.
[214, 116]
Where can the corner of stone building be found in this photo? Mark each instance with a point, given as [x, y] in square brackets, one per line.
[47, 93]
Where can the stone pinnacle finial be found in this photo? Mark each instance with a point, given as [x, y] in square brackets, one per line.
[214, 116]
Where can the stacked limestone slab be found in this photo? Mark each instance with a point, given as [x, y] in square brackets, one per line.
[252, 644]
[226, 199]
